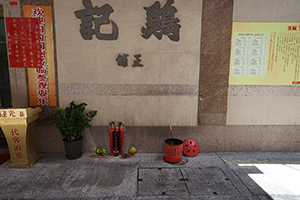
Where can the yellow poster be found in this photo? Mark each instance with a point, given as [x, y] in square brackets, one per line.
[42, 80]
[265, 53]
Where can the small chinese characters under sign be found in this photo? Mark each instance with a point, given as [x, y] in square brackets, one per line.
[122, 60]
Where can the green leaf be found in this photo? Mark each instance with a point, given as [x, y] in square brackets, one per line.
[72, 120]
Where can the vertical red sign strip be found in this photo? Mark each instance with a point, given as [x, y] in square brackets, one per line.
[42, 80]
[23, 42]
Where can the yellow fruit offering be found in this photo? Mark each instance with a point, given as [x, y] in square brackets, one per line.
[132, 149]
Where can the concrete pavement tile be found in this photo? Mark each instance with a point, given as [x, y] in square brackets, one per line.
[286, 196]
[264, 197]
[233, 159]
[231, 176]
[249, 183]
[210, 180]
[192, 197]
[267, 173]
[82, 178]
[156, 160]
[214, 160]
[197, 183]
[208, 159]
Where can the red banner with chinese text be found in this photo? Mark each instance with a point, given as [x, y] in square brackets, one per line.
[23, 42]
[42, 80]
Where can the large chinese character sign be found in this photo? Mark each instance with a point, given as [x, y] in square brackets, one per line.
[23, 41]
[86, 26]
[161, 21]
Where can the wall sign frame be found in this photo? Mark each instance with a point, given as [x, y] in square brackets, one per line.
[265, 53]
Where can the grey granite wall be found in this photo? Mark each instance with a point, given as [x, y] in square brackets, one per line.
[215, 57]
[150, 139]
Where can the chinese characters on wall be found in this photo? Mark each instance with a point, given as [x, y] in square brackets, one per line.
[23, 42]
[287, 50]
[265, 53]
[41, 81]
[122, 60]
[18, 142]
[42, 77]
[249, 54]
[11, 114]
[16, 139]
[17, 147]
[293, 28]
[160, 21]
[86, 16]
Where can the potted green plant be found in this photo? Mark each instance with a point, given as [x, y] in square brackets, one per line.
[100, 152]
[71, 122]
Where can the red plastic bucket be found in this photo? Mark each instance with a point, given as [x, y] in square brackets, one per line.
[173, 150]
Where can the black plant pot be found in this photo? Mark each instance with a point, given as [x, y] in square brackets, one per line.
[73, 149]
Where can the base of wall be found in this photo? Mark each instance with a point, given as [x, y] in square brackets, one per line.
[150, 139]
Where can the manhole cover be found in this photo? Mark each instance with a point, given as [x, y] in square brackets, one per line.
[184, 181]
[161, 181]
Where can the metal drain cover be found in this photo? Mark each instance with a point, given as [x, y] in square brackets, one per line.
[184, 181]
[161, 181]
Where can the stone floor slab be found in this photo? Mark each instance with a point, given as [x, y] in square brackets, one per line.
[55, 177]
[209, 180]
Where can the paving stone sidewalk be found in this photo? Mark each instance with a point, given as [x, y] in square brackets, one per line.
[245, 175]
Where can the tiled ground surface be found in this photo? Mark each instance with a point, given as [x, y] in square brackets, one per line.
[148, 176]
